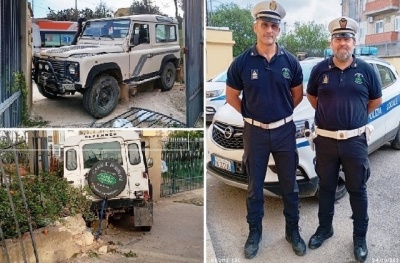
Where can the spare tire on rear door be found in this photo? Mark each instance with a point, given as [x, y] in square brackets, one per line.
[107, 179]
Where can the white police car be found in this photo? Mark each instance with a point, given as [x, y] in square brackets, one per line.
[215, 95]
[225, 144]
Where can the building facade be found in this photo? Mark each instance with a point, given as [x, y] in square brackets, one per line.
[379, 22]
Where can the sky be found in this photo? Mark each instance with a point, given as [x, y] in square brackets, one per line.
[40, 7]
[320, 11]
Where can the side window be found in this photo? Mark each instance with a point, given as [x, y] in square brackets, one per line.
[70, 160]
[166, 33]
[133, 154]
[386, 75]
[141, 33]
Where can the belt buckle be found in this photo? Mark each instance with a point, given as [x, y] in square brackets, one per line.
[341, 135]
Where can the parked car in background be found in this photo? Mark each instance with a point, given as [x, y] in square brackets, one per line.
[225, 143]
[215, 95]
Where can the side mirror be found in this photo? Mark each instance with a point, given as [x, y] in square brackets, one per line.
[150, 162]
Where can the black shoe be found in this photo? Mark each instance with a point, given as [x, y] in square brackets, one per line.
[360, 248]
[251, 246]
[293, 237]
[320, 236]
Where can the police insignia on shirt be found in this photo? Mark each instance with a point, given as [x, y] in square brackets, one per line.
[254, 74]
[286, 73]
[358, 78]
[325, 80]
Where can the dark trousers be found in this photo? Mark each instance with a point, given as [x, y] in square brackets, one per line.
[258, 144]
[352, 154]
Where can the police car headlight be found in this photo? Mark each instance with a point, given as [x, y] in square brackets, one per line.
[46, 67]
[301, 127]
[40, 66]
[214, 93]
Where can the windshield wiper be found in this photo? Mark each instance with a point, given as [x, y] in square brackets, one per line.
[109, 36]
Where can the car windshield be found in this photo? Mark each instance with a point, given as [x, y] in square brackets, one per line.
[220, 78]
[118, 28]
[307, 66]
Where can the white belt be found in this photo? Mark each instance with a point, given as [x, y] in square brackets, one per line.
[340, 135]
[271, 125]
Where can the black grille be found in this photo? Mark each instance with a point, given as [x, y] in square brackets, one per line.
[58, 67]
[235, 141]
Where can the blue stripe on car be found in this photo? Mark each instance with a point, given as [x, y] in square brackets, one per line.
[219, 98]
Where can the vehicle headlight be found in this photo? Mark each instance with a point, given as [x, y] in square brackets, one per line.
[214, 93]
[40, 66]
[72, 69]
[301, 127]
[46, 67]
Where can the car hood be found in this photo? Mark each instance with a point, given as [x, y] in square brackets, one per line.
[227, 114]
[68, 51]
[215, 85]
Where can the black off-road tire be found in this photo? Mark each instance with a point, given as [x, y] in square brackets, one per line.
[168, 77]
[396, 141]
[46, 93]
[101, 98]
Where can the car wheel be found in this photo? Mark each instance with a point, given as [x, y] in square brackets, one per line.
[396, 141]
[168, 76]
[340, 189]
[101, 98]
[46, 92]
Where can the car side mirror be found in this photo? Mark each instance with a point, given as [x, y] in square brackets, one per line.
[150, 162]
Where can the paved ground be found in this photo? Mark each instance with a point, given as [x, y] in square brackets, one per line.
[177, 234]
[228, 229]
[68, 111]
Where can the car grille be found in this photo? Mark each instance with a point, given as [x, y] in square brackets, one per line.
[227, 136]
[58, 66]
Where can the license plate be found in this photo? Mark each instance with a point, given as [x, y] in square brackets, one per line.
[223, 163]
[69, 86]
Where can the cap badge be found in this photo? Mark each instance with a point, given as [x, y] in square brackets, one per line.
[272, 5]
[343, 22]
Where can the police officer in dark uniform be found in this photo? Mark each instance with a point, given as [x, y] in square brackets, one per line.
[271, 81]
[343, 90]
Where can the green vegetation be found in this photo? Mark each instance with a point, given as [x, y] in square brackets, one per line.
[49, 198]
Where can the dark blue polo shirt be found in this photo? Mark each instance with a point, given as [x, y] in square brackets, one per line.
[265, 85]
[343, 95]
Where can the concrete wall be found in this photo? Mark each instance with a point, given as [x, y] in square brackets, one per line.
[219, 51]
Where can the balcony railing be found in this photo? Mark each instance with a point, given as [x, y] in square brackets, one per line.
[385, 37]
[378, 7]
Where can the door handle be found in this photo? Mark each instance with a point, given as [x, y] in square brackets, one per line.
[150, 55]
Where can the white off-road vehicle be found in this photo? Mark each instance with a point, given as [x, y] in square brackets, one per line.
[111, 167]
[111, 52]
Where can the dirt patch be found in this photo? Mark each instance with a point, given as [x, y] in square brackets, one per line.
[193, 201]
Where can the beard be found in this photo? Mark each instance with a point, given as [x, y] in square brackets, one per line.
[343, 55]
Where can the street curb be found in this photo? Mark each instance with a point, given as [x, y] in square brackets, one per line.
[210, 253]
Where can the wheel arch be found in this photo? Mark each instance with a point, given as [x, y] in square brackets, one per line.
[110, 68]
[169, 58]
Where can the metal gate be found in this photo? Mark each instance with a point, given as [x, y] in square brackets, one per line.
[10, 62]
[183, 165]
[194, 43]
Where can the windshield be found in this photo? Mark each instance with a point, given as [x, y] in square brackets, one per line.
[307, 66]
[118, 28]
[220, 78]
[94, 152]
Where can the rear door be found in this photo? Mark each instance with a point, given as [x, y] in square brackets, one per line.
[135, 167]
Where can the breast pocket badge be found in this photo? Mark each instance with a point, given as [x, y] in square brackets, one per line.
[254, 74]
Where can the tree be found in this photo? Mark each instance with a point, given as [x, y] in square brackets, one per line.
[239, 21]
[306, 37]
[144, 7]
[100, 11]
